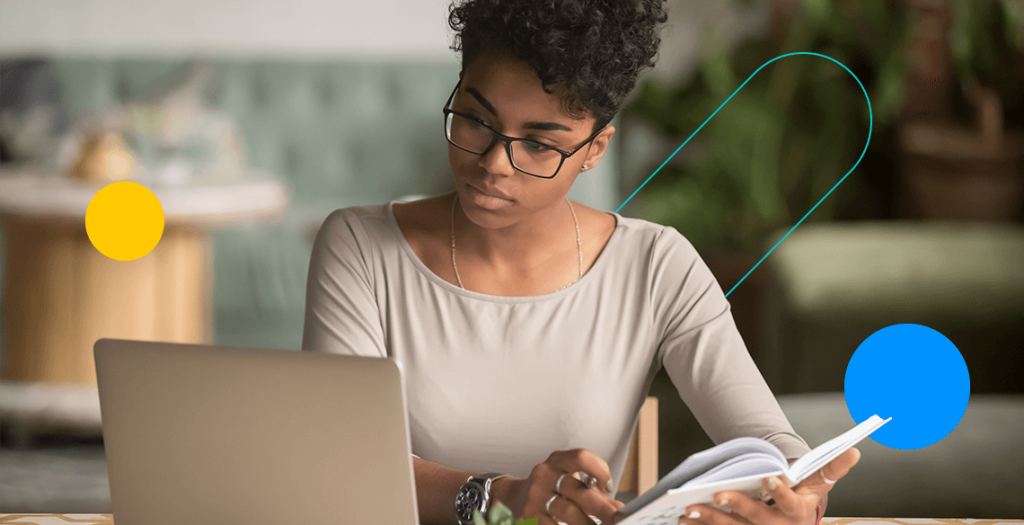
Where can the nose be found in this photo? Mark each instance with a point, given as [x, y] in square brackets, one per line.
[496, 159]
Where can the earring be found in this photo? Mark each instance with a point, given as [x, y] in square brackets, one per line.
[585, 168]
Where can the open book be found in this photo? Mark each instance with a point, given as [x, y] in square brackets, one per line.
[738, 464]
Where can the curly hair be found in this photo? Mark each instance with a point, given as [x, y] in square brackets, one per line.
[595, 48]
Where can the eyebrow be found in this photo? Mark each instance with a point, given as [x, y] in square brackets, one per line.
[541, 126]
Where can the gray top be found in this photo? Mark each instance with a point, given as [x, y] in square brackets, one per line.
[498, 383]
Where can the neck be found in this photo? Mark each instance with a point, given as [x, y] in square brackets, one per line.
[547, 231]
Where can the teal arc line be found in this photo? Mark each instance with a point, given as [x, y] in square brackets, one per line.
[870, 127]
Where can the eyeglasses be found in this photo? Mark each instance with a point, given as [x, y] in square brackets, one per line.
[468, 133]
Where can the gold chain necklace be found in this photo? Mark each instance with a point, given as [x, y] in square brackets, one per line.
[579, 245]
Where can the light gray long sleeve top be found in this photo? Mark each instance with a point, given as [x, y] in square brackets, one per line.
[498, 383]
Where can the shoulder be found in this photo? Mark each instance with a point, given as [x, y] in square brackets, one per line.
[657, 242]
[356, 223]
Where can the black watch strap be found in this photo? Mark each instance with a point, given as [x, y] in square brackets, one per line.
[475, 483]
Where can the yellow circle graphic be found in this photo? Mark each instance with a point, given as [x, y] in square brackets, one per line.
[124, 220]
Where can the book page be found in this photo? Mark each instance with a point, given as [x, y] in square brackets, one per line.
[700, 463]
[829, 450]
[751, 464]
[664, 507]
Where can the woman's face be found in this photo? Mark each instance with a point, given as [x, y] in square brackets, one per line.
[506, 94]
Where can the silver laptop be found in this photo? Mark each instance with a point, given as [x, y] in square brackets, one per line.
[218, 435]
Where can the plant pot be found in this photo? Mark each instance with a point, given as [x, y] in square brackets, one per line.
[955, 174]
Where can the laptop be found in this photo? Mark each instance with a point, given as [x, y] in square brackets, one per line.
[224, 435]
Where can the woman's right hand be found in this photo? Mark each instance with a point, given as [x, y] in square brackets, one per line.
[528, 498]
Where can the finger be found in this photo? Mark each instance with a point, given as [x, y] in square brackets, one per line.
[566, 511]
[840, 467]
[742, 505]
[544, 479]
[581, 459]
[543, 519]
[787, 502]
[589, 501]
[708, 515]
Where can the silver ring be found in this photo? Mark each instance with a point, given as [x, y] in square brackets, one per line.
[829, 481]
[558, 484]
[547, 506]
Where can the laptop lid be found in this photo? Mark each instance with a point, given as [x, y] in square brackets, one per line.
[201, 434]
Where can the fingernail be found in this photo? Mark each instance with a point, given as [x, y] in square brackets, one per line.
[771, 483]
[609, 484]
[722, 501]
[693, 515]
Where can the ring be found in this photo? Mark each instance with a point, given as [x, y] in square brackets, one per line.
[829, 481]
[547, 506]
[558, 485]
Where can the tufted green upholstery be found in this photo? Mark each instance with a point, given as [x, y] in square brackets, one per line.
[339, 133]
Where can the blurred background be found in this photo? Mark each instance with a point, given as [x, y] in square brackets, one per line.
[253, 120]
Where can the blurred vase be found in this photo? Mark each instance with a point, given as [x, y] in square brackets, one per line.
[104, 158]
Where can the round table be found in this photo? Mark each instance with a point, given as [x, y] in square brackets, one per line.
[60, 294]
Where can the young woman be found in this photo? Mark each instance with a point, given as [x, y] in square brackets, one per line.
[530, 327]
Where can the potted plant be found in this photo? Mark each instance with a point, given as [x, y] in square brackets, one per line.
[934, 69]
[783, 141]
[961, 155]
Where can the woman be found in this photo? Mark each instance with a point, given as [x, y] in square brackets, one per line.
[530, 327]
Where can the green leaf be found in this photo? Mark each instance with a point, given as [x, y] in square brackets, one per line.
[478, 518]
[499, 514]
[818, 9]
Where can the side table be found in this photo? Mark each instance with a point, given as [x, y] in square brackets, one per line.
[60, 294]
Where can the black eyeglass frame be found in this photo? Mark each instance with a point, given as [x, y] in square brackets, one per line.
[495, 137]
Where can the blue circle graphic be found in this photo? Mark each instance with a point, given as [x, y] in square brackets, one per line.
[916, 376]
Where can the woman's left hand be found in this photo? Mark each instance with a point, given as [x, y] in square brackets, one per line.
[793, 506]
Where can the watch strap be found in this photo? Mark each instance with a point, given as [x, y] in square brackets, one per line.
[485, 480]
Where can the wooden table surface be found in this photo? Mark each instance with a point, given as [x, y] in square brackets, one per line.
[107, 519]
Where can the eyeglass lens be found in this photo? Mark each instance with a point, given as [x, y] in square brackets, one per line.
[532, 157]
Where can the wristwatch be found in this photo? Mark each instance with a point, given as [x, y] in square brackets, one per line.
[475, 495]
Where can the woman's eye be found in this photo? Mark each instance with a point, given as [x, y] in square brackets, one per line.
[536, 146]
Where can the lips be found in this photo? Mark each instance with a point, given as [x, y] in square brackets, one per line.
[492, 193]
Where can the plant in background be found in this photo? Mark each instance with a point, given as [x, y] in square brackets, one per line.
[986, 40]
[797, 127]
[499, 514]
[787, 137]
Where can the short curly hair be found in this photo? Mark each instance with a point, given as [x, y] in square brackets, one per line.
[595, 48]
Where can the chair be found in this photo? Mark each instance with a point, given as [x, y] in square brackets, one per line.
[641, 471]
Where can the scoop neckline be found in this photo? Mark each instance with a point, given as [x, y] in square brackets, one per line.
[597, 267]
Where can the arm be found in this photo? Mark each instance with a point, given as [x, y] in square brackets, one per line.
[342, 317]
[436, 487]
[704, 354]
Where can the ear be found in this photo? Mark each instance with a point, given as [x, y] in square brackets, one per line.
[598, 147]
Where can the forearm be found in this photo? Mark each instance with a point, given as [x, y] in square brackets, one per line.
[436, 488]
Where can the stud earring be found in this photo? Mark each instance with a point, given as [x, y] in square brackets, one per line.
[585, 168]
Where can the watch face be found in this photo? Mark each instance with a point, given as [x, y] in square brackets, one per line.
[470, 498]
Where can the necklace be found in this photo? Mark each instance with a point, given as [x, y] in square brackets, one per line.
[579, 245]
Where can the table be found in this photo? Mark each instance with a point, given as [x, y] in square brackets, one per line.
[107, 519]
[61, 294]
